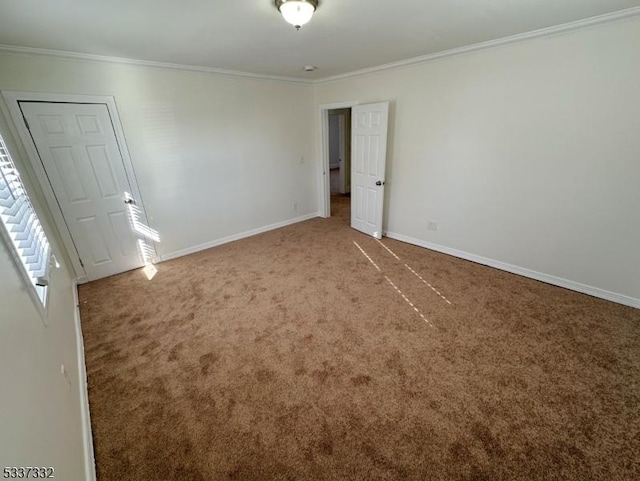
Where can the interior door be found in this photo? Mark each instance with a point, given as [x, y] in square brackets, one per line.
[80, 154]
[369, 155]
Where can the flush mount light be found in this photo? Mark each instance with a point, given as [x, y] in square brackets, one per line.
[297, 12]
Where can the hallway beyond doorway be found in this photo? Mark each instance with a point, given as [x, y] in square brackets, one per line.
[341, 207]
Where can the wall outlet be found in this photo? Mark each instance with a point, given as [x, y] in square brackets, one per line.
[433, 225]
[65, 374]
[294, 205]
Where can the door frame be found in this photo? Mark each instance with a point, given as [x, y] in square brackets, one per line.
[324, 183]
[12, 99]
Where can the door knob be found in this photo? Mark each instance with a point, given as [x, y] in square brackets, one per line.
[129, 201]
[379, 183]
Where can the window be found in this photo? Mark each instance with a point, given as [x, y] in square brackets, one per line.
[21, 227]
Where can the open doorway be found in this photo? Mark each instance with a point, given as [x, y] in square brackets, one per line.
[368, 138]
[324, 192]
[339, 136]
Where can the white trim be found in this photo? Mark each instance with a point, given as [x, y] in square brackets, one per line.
[87, 437]
[234, 237]
[47, 52]
[522, 271]
[324, 180]
[12, 99]
[543, 32]
[340, 105]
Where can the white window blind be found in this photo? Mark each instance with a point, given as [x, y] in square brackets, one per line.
[21, 224]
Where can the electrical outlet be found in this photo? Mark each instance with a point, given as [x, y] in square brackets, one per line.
[433, 225]
[65, 374]
[294, 205]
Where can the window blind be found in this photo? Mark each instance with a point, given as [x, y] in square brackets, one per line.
[22, 225]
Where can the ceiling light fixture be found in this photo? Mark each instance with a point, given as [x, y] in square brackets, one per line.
[297, 12]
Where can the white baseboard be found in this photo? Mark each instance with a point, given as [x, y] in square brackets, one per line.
[231, 238]
[87, 437]
[539, 276]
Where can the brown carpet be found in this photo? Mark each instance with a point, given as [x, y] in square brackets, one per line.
[289, 356]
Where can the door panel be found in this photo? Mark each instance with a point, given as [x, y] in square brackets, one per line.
[52, 124]
[372, 195]
[359, 150]
[358, 204]
[102, 171]
[67, 167]
[121, 226]
[369, 133]
[374, 156]
[94, 238]
[89, 124]
[81, 156]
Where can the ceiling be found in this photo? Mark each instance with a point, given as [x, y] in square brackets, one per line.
[251, 36]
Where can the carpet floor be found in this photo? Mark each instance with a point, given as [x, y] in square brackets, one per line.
[314, 352]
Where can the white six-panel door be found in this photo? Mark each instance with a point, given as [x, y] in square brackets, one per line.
[80, 154]
[369, 125]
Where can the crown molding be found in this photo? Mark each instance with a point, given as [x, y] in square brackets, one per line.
[555, 30]
[143, 63]
[543, 32]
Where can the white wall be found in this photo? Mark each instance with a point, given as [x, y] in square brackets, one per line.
[527, 154]
[40, 415]
[214, 155]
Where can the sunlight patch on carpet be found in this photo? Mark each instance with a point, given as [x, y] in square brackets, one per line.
[422, 316]
[408, 301]
[150, 271]
[416, 274]
[366, 255]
